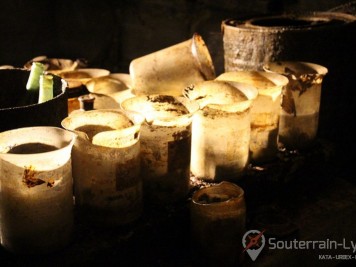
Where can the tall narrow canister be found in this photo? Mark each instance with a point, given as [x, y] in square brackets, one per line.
[36, 189]
[166, 145]
[265, 110]
[106, 165]
[299, 118]
[221, 129]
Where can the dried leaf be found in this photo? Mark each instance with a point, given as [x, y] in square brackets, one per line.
[301, 82]
[30, 180]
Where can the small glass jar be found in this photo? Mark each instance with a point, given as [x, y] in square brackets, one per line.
[218, 218]
[74, 90]
[86, 102]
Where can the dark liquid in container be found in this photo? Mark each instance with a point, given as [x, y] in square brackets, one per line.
[31, 148]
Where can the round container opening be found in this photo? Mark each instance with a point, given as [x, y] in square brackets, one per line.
[303, 20]
[288, 22]
[315, 19]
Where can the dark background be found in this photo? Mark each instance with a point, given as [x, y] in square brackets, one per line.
[109, 34]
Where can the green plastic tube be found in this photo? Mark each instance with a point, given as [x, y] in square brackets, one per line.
[33, 82]
[46, 88]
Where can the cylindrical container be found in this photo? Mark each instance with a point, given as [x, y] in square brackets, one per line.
[74, 90]
[19, 107]
[299, 117]
[86, 102]
[170, 70]
[320, 37]
[36, 189]
[264, 112]
[251, 43]
[218, 223]
[221, 129]
[106, 165]
[165, 145]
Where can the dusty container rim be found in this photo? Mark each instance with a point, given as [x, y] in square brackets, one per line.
[203, 57]
[64, 86]
[134, 117]
[307, 21]
[9, 135]
[175, 120]
[279, 67]
[92, 72]
[222, 187]
[112, 84]
[123, 77]
[277, 79]
[249, 91]
[238, 107]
